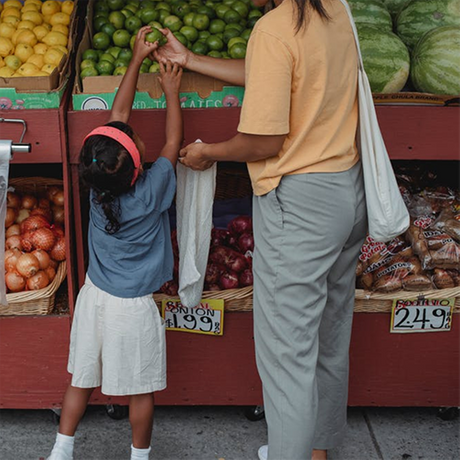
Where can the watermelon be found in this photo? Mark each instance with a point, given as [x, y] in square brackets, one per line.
[373, 12]
[420, 16]
[436, 62]
[386, 59]
[395, 6]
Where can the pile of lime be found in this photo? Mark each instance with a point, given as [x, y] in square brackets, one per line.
[219, 29]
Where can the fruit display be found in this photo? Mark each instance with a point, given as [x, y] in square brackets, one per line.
[218, 29]
[34, 239]
[434, 62]
[34, 36]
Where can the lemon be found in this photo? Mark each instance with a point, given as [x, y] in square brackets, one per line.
[47, 18]
[12, 4]
[26, 36]
[26, 25]
[37, 3]
[28, 70]
[2, 62]
[13, 62]
[40, 48]
[60, 18]
[37, 59]
[48, 68]
[61, 28]
[53, 56]
[33, 16]
[40, 32]
[60, 48]
[11, 12]
[30, 7]
[23, 51]
[67, 7]
[6, 46]
[6, 30]
[13, 20]
[55, 38]
[47, 25]
[50, 7]
[6, 72]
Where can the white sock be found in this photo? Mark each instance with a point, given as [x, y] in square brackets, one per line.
[140, 454]
[63, 447]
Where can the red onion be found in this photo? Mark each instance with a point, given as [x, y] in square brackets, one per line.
[228, 280]
[240, 224]
[246, 242]
[228, 257]
[232, 241]
[246, 278]
[213, 287]
[213, 272]
[170, 288]
[219, 237]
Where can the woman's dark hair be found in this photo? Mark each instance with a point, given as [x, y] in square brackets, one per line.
[107, 168]
[303, 5]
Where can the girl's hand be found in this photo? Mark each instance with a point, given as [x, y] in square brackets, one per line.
[192, 156]
[142, 48]
[170, 78]
[173, 51]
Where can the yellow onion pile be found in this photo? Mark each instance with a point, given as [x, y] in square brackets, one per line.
[34, 239]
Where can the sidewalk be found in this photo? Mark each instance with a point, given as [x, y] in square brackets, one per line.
[212, 433]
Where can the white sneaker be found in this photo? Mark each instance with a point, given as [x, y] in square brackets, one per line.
[58, 454]
[263, 453]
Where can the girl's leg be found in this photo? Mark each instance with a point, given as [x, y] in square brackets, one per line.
[74, 406]
[141, 419]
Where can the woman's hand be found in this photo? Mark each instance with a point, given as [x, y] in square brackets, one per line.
[173, 51]
[142, 48]
[170, 77]
[193, 157]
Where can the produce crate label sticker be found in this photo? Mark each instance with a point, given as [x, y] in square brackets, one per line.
[206, 318]
[421, 315]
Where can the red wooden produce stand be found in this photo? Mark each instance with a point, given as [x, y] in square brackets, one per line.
[386, 369]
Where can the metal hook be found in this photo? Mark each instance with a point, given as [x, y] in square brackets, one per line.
[16, 120]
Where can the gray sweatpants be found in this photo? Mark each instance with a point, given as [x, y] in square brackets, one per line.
[308, 233]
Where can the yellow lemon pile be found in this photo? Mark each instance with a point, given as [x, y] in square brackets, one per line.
[34, 35]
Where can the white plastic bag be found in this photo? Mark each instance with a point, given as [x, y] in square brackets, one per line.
[194, 201]
[387, 214]
[4, 170]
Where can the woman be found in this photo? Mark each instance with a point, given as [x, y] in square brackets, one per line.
[297, 134]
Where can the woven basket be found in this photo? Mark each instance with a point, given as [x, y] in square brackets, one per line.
[232, 182]
[39, 302]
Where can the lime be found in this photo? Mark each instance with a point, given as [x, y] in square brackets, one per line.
[126, 13]
[133, 24]
[125, 55]
[203, 35]
[163, 6]
[252, 22]
[147, 4]
[201, 22]
[182, 38]
[231, 16]
[105, 68]
[246, 34]
[221, 9]
[154, 68]
[120, 70]
[154, 36]
[131, 8]
[148, 14]
[214, 43]
[108, 28]
[101, 41]
[225, 55]
[240, 8]
[101, 7]
[234, 26]
[120, 63]
[87, 63]
[173, 23]
[147, 61]
[206, 10]
[117, 19]
[121, 38]
[99, 53]
[238, 51]
[200, 47]
[230, 33]
[180, 9]
[215, 54]
[190, 33]
[114, 51]
[99, 22]
[188, 19]
[132, 41]
[163, 15]
[235, 40]
[216, 26]
[144, 69]
[115, 4]
[107, 57]
[90, 54]
[254, 14]
[155, 25]
[135, 3]
[89, 72]
[101, 14]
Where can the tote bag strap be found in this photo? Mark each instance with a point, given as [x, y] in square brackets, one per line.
[355, 32]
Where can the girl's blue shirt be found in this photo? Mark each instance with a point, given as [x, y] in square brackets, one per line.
[138, 259]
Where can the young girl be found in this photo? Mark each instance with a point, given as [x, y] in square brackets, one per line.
[118, 337]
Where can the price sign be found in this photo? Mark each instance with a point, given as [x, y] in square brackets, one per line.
[205, 318]
[425, 315]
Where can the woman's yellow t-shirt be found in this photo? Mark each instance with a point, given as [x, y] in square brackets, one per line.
[303, 85]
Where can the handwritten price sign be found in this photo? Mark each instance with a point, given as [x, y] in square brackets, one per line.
[427, 315]
[205, 318]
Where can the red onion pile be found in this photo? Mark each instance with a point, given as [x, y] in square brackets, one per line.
[34, 239]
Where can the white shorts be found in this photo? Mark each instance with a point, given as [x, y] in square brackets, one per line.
[117, 343]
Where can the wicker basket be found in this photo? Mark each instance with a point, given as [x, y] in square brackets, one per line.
[232, 182]
[39, 302]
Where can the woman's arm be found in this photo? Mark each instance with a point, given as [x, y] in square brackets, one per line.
[229, 70]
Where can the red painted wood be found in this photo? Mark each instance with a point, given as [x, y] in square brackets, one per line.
[420, 369]
[33, 361]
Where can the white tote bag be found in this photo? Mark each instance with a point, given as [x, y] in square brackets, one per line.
[387, 214]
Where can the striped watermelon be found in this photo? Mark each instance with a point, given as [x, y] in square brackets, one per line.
[395, 6]
[420, 16]
[436, 61]
[386, 59]
[373, 12]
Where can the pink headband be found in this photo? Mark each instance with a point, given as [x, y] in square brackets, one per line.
[122, 139]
